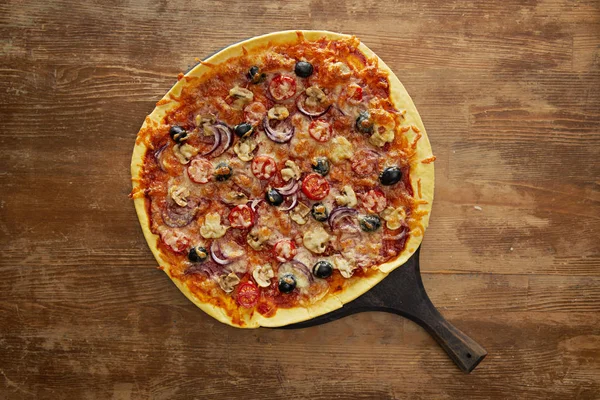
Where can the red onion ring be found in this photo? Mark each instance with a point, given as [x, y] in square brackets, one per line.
[290, 188]
[254, 203]
[303, 268]
[301, 108]
[339, 214]
[277, 136]
[214, 249]
[216, 144]
[399, 236]
[226, 138]
[294, 203]
[158, 155]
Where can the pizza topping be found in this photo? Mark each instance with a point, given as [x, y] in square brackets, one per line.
[299, 214]
[244, 149]
[223, 139]
[212, 228]
[178, 134]
[282, 87]
[319, 212]
[341, 264]
[390, 176]
[291, 171]
[200, 170]
[341, 150]
[263, 167]
[339, 69]
[369, 223]
[241, 97]
[198, 254]
[320, 165]
[347, 197]
[303, 69]
[323, 269]
[255, 75]
[289, 188]
[354, 93]
[290, 203]
[235, 198]
[316, 240]
[284, 250]
[343, 219]
[314, 103]
[374, 201]
[394, 217]
[365, 163]
[278, 112]
[176, 216]
[228, 282]
[225, 252]
[223, 171]
[263, 274]
[258, 236]
[278, 136]
[273, 197]
[364, 123]
[241, 217]
[179, 194]
[247, 294]
[315, 187]
[287, 283]
[243, 130]
[298, 270]
[255, 112]
[320, 130]
[176, 240]
[184, 152]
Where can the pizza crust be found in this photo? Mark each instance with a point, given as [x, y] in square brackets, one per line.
[354, 286]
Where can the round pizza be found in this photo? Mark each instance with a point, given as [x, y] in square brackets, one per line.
[283, 177]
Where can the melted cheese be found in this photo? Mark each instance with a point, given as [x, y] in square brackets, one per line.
[341, 150]
[212, 228]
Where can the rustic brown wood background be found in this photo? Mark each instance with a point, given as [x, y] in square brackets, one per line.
[510, 94]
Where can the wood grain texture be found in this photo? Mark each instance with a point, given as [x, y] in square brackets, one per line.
[509, 93]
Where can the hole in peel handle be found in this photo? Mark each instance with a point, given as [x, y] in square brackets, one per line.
[463, 350]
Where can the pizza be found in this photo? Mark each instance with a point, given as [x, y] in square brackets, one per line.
[283, 177]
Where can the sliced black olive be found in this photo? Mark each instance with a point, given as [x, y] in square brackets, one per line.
[369, 223]
[255, 75]
[223, 171]
[319, 212]
[303, 69]
[273, 197]
[243, 130]
[197, 254]
[323, 269]
[287, 283]
[320, 165]
[390, 175]
[364, 123]
[178, 134]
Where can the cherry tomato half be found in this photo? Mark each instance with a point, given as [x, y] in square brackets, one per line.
[315, 187]
[241, 217]
[263, 167]
[320, 130]
[355, 93]
[284, 250]
[282, 87]
[247, 294]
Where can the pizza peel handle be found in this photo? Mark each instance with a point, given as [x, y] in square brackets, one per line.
[402, 292]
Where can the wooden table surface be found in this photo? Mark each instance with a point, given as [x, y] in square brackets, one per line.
[510, 94]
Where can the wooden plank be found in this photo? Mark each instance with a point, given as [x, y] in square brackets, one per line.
[508, 93]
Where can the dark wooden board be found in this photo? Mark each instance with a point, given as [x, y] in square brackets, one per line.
[402, 292]
[508, 91]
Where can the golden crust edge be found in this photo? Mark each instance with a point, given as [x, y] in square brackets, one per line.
[355, 287]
